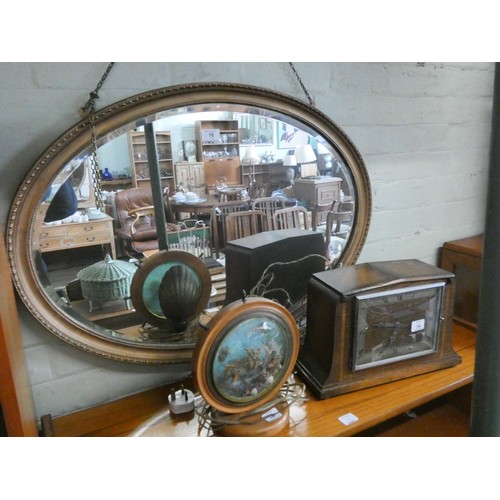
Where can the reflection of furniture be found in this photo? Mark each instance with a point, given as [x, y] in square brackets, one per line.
[319, 191]
[138, 157]
[16, 399]
[77, 235]
[218, 216]
[291, 218]
[272, 175]
[268, 205]
[245, 223]
[218, 147]
[463, 258]
[338, 226]
[190, 174]
[136, 227]
[338, 223]
[320, 214]
[230, 193]
[194, 209]
[436, 398]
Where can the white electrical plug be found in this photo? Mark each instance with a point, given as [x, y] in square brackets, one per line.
[181, 401]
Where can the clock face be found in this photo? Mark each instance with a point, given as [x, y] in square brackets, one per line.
[396, 324]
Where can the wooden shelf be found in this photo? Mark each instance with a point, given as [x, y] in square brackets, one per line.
[224, 166]
[138, 158]
[147, 414]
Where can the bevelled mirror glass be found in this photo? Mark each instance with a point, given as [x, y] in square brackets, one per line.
[273, 125]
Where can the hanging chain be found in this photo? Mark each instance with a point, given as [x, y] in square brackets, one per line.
[309, 98]
[90, 105]
[94, 164]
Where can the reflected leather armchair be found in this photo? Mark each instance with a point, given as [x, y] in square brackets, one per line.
[136, 224]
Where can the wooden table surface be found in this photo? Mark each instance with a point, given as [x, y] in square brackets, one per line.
[371, 406]
[147, 414]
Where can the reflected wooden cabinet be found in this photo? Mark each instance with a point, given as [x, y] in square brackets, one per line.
[189, 173]
[139, 159]
[77, 235]
[272, 175]
[318, 191]
[218, 147]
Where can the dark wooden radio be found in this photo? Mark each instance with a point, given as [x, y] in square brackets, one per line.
[373, 323]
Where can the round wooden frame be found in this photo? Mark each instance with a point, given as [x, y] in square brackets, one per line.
[207, 353]
[150, 265]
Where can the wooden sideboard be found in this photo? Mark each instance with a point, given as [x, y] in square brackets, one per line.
[147, 414]
[463, 258]
[78, 234]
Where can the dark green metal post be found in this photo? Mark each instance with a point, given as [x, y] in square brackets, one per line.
[157, 191]
[485, 417]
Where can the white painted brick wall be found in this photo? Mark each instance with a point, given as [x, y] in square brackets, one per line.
[423, 132]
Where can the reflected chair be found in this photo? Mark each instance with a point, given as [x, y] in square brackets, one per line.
[338, 226]
[268, 205]
[339, 223]
[218, 216]
[135, 220]
[320, 213]
[291, 218]
[246, 223]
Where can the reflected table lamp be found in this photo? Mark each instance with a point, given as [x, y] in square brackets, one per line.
[327, 158]
[305, 157]
[290, 161]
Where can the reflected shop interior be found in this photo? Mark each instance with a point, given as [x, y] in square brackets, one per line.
[95, 224]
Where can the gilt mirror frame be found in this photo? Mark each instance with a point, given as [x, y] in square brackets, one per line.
[118, 117]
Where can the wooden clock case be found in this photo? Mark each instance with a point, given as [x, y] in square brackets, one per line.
[325, 360]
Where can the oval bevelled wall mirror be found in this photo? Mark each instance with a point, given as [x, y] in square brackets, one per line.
[198, 124]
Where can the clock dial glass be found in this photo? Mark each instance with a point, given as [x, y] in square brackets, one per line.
[396, 324]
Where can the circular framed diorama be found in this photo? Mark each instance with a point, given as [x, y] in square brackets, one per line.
[171, 288]
[246, 356]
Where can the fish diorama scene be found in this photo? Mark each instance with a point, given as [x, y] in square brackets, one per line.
[250, 359]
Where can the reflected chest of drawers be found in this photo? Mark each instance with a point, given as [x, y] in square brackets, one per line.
[317, 192]
[78, 234]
